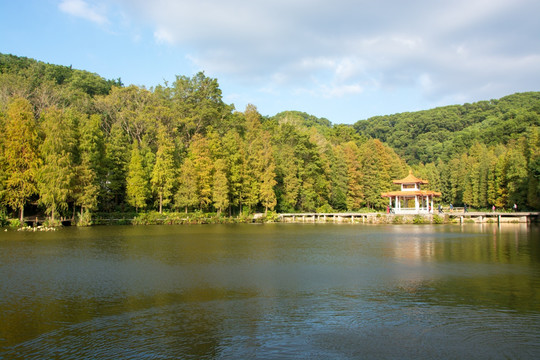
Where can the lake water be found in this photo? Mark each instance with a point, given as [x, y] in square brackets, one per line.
[287, 291]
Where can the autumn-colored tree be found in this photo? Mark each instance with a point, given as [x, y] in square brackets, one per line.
[199, 152]
[56, 174]
[235, 156]
[137, 189]
[220, 189]
[164, 172]
[186, 195]
[21, 155]
[268, 176]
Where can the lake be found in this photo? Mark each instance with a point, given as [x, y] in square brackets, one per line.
[287, 291]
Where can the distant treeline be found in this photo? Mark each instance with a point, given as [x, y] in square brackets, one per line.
[74, 142]
[482, 154]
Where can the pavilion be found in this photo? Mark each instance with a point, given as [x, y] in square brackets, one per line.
[411, 199]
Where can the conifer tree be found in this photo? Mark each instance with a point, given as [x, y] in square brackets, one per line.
[220, 190]
[355, 191]
[163, 174]
[116, 158]
[56, 175]
[90, 169]
[255, 152]
[338, 179]
[186, 195]
[234, 154]
[137, 187]
[21, 156]
[199, 152]
[533, 167]
[268, 176]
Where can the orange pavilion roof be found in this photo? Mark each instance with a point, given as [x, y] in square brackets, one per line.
[411, 193]
[410, 179]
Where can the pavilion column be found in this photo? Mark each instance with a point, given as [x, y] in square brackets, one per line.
[416, 204]
[431, 203]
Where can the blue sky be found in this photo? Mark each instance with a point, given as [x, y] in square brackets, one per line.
[344, 60]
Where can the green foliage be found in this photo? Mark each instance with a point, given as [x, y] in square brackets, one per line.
[442, 133]
[85, 219]
[220, 195]
[163, 175]
[38, 72]
[438, 219]
[21, 159]
[397, 219]
[89, 165]
[15, 223]
[137, 187]
[55, 176]
[419, 219]
[99, 146]
[3, 218]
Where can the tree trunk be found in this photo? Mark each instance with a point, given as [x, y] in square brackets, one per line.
[161, 203]
[21, 216]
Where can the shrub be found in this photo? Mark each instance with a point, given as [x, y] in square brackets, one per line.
[52, 223]
[14, 223]
[3, 218]
[437, 219]
[419, 219]
[85, 219]
[325, 209]
[398, 219]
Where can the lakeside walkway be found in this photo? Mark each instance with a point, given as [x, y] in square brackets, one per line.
[476, 216]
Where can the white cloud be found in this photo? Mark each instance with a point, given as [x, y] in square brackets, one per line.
[343, 48]
[163, 36]
[81, 9]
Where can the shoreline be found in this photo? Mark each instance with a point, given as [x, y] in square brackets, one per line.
[313, 218]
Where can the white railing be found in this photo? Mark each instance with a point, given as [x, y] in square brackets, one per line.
[405, 211]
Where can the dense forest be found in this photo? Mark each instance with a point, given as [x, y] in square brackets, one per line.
[75, 144]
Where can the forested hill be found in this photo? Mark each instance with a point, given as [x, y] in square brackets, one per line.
[76, 143]
[31, 75]
[442, 133]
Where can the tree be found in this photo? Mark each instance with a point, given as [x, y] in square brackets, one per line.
[90, 168]
[163, 175]
[234, 155]
[21, 156]
[116, 159]
[533, 167]
[56, 175]
[268, 177]
[199, 152]
[254, 156]
[338, 178]
[137, 188]
[197, 103]
[516, 177]
[220, 191]
[355, 190]
[186, 195]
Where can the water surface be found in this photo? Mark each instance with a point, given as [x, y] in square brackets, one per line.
[298, 291]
